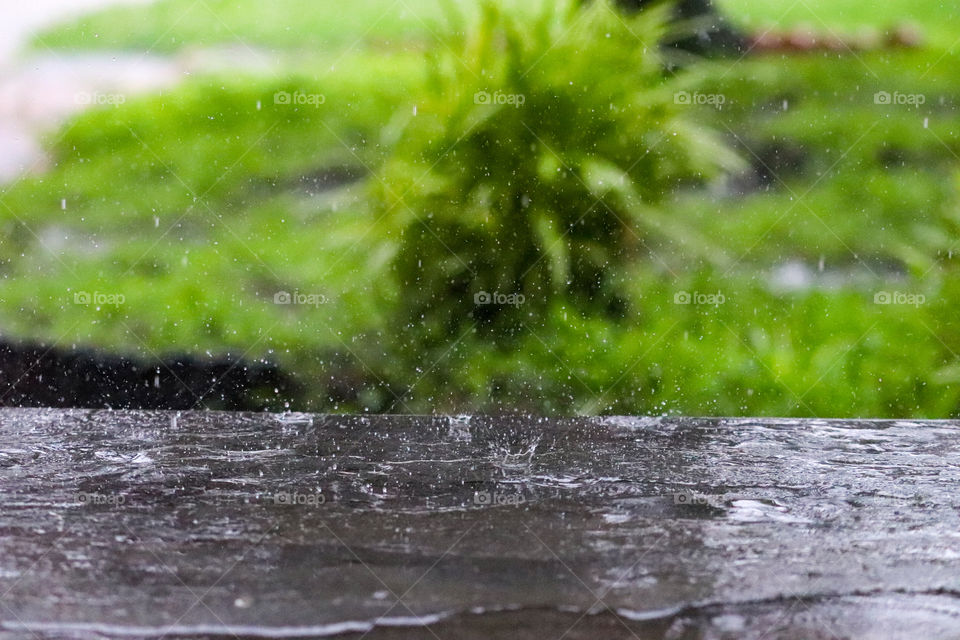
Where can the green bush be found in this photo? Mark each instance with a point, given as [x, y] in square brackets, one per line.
[526, 171]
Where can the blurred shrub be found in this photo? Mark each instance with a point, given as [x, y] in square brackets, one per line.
[533, 166]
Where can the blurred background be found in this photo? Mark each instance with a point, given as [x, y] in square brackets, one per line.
[558, 206]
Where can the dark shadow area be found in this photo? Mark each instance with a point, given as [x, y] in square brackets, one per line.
[35, 375]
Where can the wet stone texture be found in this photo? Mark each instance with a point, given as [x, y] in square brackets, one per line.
[150, 524]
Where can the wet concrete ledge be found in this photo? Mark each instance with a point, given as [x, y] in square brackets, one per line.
[206, 524]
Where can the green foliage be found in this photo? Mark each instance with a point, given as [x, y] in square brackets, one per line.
[535, 165]
[197, 205]
[875, 201]
[815, 354]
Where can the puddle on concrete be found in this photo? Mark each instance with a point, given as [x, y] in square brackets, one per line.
[115, 524]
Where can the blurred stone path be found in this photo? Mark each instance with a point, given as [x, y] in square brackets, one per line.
[37, 95]
[21, 19]
[40, 88]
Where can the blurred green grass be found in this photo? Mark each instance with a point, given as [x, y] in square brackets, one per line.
[846, 16]
[169, 25]
[874, 200]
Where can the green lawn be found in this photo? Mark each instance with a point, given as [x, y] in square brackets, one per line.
[169, 25]
[847, 16]
[867, 199]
